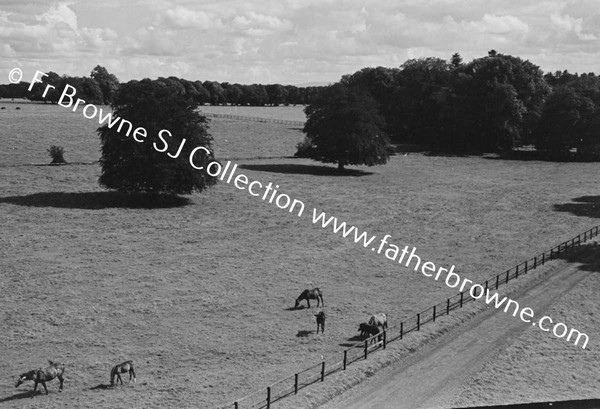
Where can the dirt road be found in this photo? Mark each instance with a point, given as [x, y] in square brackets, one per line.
[431, 377]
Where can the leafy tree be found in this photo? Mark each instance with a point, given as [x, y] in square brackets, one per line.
[567, 121]
[344, 126]
[149, 166]
[108, 83]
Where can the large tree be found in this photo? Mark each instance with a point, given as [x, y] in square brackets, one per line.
[344, 126]
[160, 162]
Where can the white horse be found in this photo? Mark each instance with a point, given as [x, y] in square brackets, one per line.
[379, 320]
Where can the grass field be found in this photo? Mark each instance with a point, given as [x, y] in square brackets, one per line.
[199, 295]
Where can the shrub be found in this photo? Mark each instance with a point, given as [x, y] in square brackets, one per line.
[57, 154]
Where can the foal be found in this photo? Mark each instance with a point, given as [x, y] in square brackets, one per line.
[117, 370]
[320, 321]
[55, 370]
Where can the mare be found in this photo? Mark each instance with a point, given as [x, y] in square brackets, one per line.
[314, 294]
[43, 375]
[117, 370]
[369, 330]
[379, 319]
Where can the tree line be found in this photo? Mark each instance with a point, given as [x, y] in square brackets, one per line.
[498, 104]
[100, 88]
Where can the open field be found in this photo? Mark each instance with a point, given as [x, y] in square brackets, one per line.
[199, 295]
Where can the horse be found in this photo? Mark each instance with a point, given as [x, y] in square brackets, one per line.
[314, 294]
[117, 370]
[369, 330]
[55, 370]
[320, 321]
[124, 367]
[379, 319]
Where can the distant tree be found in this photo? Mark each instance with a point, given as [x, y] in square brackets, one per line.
[217, 95]
[277, 94]
[108, 83]
[203, 96]
[86, 88]
[233, 93]
[39, 88]
[155, 165]
[343, 126]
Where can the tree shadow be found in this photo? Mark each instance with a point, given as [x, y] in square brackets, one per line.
[97, 200]
[587, 255]
[20, 395]
[306, 170]
[585, 206]
[566, 404]
[303, 333]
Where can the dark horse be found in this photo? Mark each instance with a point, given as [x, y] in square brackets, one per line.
[320, 321]
[369, 330]
[117, 370]
[314, 294]
[55, 370]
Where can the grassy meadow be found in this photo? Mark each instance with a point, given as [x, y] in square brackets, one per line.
[199, 295]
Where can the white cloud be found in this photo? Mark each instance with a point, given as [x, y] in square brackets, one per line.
[187, 18]
[567, 23]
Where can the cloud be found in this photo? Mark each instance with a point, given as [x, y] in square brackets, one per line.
[567, 23]
[185, 18]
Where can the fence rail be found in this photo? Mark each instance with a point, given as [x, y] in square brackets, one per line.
[361, 350]
[253, 118]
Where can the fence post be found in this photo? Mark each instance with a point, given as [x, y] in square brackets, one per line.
[448, 306]
[268, 397]
[401, 329]
[543, 258]
[295, 384]
[434, 313]
[235, 405]
[419, 322]
[384, 338]
[345, 358]
[461, 299]
[534, 263]
[507, 274]
[322, 371]
[551, 253]
[486, 285]
[516, 275]
[525, 272]
[366, 346]
[497, 281]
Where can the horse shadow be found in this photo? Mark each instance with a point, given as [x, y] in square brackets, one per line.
[300, 307]
[351, 341]
[303, 333]
[101, 386]
[21, 395]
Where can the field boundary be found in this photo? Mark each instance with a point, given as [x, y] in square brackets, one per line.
[253, 118]
[361, 350]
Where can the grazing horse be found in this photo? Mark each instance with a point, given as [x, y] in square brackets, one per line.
[379, 319]
[117, 370]
[55, 370]
[314, 294]
[320, 321]
[369, 330]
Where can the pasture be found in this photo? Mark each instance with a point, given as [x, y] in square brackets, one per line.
[199, 296]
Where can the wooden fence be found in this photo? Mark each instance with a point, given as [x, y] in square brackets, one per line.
[317, 373]
[253, 118]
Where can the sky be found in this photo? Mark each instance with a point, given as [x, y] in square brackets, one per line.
[287, 41]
